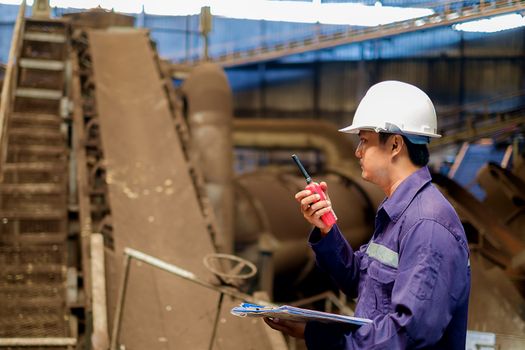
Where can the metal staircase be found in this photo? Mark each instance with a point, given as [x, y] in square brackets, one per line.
[34, 309]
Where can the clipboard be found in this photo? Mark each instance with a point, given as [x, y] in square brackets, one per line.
[295, 314]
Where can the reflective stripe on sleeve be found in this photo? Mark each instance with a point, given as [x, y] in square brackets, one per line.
[383, 254]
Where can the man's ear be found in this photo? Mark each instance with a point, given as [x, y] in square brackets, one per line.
[397, 144]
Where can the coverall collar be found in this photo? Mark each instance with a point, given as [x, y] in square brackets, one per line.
[405, 193]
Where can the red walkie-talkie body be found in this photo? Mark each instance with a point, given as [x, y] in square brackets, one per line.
[329, 218]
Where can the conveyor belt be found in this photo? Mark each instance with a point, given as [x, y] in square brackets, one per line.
[154, 206]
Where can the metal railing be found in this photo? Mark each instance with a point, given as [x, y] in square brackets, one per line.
[10, 81]
[446, 14]
[179, 272]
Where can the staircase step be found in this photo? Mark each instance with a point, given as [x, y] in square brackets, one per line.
[33, 227]
[42, 254]
[12, 298]
[10, 302]
[35, 153]
[38, 149]
[36, 293]
[33, 136]
[46, 94]
[44, 188]
[33, 238]
[34, 63]
[45, 37]
[34, 325]
[30, 268]
[44, 214]
[36, 166]
[32, 290]
[32, 132]
[20, 277]
[38, 172]
[29, 274]
[35, 119]
[34, 103]
[46, 25]
[33, 197]
[27, 308]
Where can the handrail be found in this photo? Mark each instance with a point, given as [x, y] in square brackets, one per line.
[130, 253]
[447, 13]
[10, 79]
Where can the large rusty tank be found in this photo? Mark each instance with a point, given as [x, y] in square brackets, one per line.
[268, 221]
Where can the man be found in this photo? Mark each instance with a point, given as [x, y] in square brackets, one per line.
[413, 277]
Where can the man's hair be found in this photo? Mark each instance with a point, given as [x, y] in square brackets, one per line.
[418, 153]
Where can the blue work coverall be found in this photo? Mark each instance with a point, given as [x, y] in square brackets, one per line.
[412, 279]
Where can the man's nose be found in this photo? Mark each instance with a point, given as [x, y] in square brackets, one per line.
[358, 151]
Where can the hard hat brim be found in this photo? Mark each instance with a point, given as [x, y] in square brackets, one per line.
[354, 129]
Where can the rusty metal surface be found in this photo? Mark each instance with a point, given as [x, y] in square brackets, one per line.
[483, 220]
[495, 304]
[153, 204]
[505, 196]
[32, 291]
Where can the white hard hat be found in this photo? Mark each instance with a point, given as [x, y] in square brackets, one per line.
[396, 107]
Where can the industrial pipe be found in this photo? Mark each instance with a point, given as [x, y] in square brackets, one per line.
[296, 133]
[209, 102]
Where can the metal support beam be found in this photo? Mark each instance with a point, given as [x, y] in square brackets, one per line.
[99, 338]
[120, 303]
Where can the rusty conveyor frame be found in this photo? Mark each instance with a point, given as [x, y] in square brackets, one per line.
[86, 141]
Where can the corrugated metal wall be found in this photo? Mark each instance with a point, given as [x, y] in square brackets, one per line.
[453, 67]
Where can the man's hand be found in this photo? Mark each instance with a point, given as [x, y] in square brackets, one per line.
[291, 328]
[313, 210]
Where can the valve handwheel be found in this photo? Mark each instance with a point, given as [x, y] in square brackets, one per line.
[230, 269]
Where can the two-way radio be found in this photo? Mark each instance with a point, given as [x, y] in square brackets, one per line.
[328, 218]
